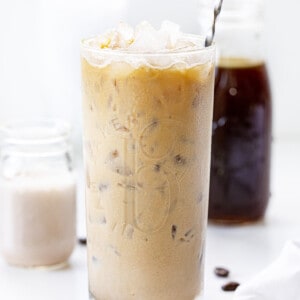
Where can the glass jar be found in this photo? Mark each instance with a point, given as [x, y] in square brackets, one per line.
[241, 142]
[38, 194]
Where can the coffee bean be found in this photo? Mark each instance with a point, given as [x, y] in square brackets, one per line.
[230, 286]
[82, 241]
[221, 272]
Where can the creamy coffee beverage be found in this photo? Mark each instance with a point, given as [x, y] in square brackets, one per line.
[147, 107]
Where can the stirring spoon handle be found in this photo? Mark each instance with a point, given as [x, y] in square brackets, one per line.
[217, 11]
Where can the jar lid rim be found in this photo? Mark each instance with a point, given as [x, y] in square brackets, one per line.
[37, 131]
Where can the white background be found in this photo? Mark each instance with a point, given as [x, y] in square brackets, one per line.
[40, 77]
[39, 52]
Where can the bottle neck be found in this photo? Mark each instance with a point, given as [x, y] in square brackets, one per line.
[240, 40]
[239, 33]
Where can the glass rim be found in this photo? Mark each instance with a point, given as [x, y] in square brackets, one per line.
[123, 52]
[35, 131]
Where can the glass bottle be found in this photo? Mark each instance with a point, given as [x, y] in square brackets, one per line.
[38, 194]
[242, 121]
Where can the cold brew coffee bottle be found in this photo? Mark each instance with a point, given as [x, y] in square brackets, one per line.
[241, 141]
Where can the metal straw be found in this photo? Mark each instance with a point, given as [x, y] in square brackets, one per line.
[217, 10]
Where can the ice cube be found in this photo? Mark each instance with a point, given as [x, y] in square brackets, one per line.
[144, 27]
[125, 31]
[147, 39]
[121, 37]
[171, 33]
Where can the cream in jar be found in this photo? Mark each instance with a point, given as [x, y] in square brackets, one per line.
[38, 195]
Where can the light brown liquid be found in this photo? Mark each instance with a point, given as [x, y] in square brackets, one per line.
[147, 152]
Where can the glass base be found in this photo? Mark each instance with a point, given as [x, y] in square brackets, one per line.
[200, 297]
[235, 221]
[58, 266]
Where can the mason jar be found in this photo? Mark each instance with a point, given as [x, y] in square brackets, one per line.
[38, 194]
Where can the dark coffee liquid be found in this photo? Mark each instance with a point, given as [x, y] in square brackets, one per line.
[240, 167]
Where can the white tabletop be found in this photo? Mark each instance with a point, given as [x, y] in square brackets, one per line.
[244, 250]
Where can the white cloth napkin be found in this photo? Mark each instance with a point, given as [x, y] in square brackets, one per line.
[279, 281]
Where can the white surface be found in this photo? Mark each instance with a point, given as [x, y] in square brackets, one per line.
[245, 250]
[280, 280]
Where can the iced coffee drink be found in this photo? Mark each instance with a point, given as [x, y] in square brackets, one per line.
[147, 106]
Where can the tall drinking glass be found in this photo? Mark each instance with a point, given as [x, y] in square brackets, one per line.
[147, 141]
